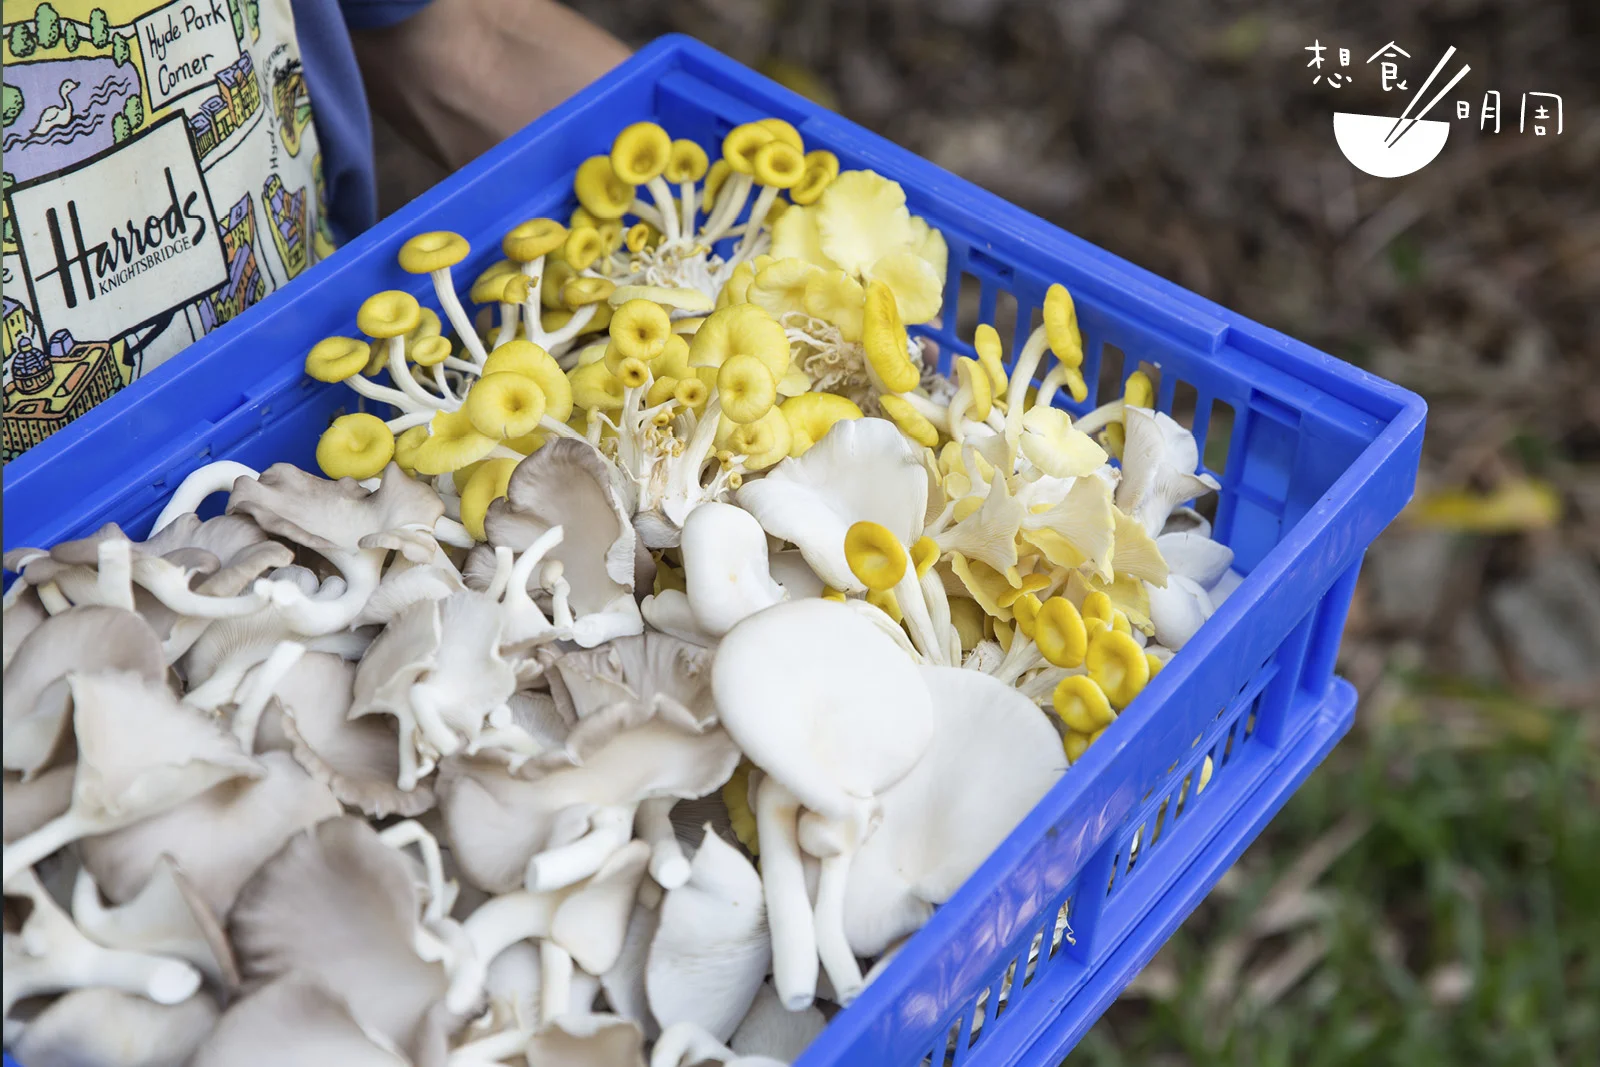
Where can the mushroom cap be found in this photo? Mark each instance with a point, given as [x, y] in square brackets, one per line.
[812, 415]
[687, 163]
[333, 359]
[640, 329]
[746, 387]
[108, 1028]
[862, 217]
[428, 252]
[584, 245]
[725, 566]
[883, 336]
[763, 442]
[527, 241]
[740, 145]
[488, 286]
[601, 191]
[454, 443]
[741, 329]
[781, 285]
[641, 152]
[682, 298]
[333, 518]
[822, 700]
[338, 905]
[1061, 326]
[585, 290]
[296, 1019]
[357, 445]
[504, 405]
[391, 313]
[429, 351]
[777, 164]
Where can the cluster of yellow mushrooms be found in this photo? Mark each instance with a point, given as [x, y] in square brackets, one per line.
[691, 371]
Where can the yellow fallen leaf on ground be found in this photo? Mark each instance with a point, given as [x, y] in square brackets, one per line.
[1514, 507]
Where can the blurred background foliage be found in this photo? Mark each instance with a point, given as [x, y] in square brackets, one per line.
[1432, 896]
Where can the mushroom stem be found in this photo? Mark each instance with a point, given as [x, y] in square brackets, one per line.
[114, 576]
[783, 882]
[908, 594]
[490, 1051]
[254, 693]
[649, 214]
[310, 617]
[441, 894]
[574, 326]
[833, 947]
[200, 483]
[401, 375]
[508, 323]
[564, 865]
[502, 921]
[504, 560]
[1052, 383]
[667, 207]
[405, 422]
[170, 585]
[752, 226]
[52, 599]
[730, 201]
[687, 196]
[444, 286]
[47, 840]
[445, 392]
[687, 1043]
[1021, 378]
[555, 981]
[560, 429]
[668, 865]
[381, 393]
[1101, 417]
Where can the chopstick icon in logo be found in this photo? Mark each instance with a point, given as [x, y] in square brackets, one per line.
[1395, 131]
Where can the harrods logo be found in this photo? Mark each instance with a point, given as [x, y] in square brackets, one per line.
[122, 238]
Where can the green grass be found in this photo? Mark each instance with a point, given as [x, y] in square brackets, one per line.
[1461, 926]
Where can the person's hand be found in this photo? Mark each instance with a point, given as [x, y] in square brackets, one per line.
[462, 75]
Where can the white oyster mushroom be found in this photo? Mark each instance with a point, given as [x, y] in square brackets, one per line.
[710, 951]
[588, 1041]
[1197, 564]
[1159, 460]
[140, 752]
[296, 1019]
[108, 1028]
[30, 803]
[624, 983]
[850, 717]
[992, 759]
[725, 567]
[568, 484]
[689, 1045]
[770, 1029]
[861, 470]
[49, 954]
[167, 918]
[219, 838]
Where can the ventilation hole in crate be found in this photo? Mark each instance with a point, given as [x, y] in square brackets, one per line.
[1250, 722]
[1109, 385]
[1183, 796]
[1116, 866]
[1034, 955]
[1206, 506]
[967, 301]
[1227, 749]
[1161, 820]
[1219, 434]
[978, 1015]
[1005, 316]
[1207, 767]
[1063, 928]
[1185, 400]
[1133, 849]
[951, 1042]
[1007, 985]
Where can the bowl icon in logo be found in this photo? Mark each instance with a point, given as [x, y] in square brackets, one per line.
[1362, 139]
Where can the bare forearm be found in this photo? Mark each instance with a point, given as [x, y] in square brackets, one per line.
[462, 75]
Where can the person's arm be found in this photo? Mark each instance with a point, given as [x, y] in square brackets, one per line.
[462, 75]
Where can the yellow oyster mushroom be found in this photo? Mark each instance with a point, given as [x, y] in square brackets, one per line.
[452, 444]
[686, 163]
[583, 246]
[885, 601]
[687, 327]
[673, 359]
[1056, 447]
[633, 373]
[355, 446]
[1025, 611]
[876, 556]
[429, 351]
[736, 798]
[741, 329]
[1060, 633]
[924, 554]
[781, 286]
[824, 161]
[601, 191]
[741, 144]
[1155, 662]
[983, 583]
[1082, 704]
[861, 217]
[406, 446]
[661, 390]
[782, 131]
[580, 217]
[1139, 391]
[641, 152]
[929, 243]
[639, 237]
[1117, 664]
[777, 164]
[673, 297]
[762, 443]
[834, 296]
[579, 292]
[595, 388]
[1097, 605]
[1134, 554]
[811, 415]
[504, 404]
[528, 359]
[488, 286]
[794, 382]
[822, 167]
[918, 288]
[910, 420]
[795, 235]
[987, 343]
[967, 617]
[557, 273]
[883, 336]
[736, 290]
[337, 359]
[640, 329]
[746, 388]
[1075, 745]
[1061, 326]
[1029, 583]
[391, 313]
[529, 240]
[429, 252]
[485, 485]
[692, 393]
[974, 381]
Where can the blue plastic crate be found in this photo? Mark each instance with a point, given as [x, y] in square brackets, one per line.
[1320, 457]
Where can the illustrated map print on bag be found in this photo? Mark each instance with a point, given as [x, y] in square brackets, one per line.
[161, 173]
